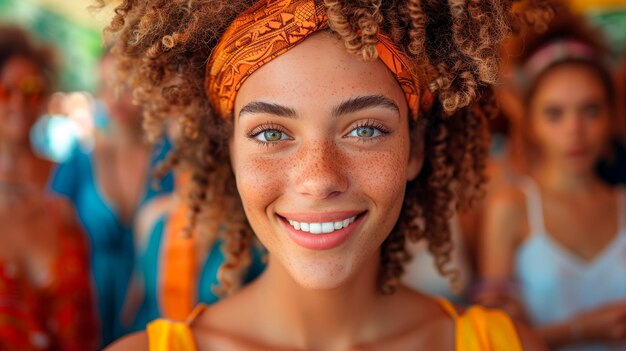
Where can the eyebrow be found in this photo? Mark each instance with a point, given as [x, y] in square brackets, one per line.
[364, 102]
[267, 108]
[351, 105]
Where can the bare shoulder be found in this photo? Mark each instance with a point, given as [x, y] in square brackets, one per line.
[430, 327]
[137, 341]
[530, 341]
[508, 200]
[506, 213]
[430, 307]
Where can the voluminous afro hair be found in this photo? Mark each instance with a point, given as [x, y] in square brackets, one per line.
[163, 46]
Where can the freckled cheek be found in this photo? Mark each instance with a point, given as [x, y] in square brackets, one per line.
[381, 175]
[259, 182]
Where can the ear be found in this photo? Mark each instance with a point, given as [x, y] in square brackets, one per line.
[416, 157]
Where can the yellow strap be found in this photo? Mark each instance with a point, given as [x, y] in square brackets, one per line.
[479, 329]
[195, 313]
[164, 335]
[448, 307]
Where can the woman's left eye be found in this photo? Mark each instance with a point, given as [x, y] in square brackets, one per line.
[365, 132]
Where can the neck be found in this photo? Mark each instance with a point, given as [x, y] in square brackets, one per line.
[332, 319]
[18, 164]
[9, 148]
[560, 180]
[126, 136]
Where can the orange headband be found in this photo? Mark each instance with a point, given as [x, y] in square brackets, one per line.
[270, 28]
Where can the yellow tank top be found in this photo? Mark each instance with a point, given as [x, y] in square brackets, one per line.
[477, 329]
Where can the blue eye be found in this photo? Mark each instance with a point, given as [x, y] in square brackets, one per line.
[365, 132]
[271, 135]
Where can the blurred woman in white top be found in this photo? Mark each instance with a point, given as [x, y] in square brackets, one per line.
[554, 247]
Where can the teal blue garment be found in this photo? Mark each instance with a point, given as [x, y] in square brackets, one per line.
[148, 264]
[111, 241]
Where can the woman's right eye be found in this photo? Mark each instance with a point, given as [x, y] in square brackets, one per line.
[270, 135]
[553, 114]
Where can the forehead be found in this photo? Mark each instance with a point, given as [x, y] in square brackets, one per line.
[316, 73]
[17, 68]
[570, 82]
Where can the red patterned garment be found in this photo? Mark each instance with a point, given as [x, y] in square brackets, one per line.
[58, 313]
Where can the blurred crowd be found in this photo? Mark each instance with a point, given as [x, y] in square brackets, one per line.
[94, 242]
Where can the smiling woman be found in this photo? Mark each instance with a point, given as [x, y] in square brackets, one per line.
[317, 130]
[347, 158]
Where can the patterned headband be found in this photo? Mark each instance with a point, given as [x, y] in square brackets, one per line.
[270, 28]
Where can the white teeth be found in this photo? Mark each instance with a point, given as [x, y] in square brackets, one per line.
[321, 228]
[328, 227]
[315, 228]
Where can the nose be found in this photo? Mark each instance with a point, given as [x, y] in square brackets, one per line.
[321, 171]
[576, 126]
[16, 102]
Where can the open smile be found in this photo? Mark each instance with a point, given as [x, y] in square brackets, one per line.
[321, 231]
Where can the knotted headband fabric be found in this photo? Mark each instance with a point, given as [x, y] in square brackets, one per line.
[270, 28]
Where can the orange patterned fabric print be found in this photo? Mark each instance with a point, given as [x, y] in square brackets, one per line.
[269, 29]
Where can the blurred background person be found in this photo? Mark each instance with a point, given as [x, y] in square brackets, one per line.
[45, 287]
[108, 185]
[554, 245]
[176, 269]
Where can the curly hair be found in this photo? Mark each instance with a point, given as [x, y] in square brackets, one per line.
[163, 47]
[16, 42]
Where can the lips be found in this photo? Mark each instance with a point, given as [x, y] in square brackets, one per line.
[321, 231]
[576, 153]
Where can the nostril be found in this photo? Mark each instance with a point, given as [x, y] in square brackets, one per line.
[334, 194]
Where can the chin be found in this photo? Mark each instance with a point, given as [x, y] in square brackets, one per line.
[582, 166]
[321, 274]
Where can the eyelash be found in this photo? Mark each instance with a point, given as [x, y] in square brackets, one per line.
[252, 134]
[370, 123]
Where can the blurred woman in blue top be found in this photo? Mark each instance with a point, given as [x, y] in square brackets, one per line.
[108, 185]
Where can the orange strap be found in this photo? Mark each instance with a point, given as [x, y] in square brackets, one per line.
[178, 280]
[270, 28]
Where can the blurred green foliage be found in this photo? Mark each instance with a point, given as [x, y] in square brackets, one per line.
[613, 23]
[78, 47]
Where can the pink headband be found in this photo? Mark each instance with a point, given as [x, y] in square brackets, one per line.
[554, 52]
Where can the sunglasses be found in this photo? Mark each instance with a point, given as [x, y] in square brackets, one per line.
[30, 88]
